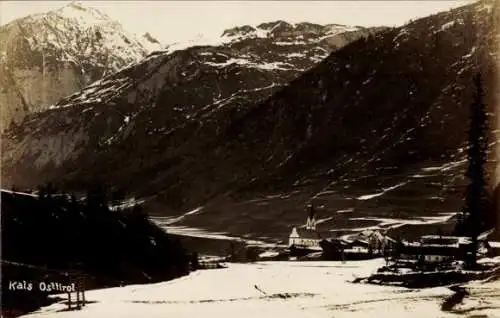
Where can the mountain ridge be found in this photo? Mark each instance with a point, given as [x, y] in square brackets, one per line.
[232, 74]
[376, 128]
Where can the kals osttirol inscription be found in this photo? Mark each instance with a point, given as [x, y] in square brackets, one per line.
[48, 287]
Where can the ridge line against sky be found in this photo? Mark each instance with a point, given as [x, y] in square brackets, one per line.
[173, 21]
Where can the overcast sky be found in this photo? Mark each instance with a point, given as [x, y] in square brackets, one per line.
[172, 21]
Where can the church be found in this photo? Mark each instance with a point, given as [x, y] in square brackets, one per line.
[306, 238]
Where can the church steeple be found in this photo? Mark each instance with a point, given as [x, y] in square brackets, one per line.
[311, 219]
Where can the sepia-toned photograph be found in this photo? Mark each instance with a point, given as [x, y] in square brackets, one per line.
[250, 159]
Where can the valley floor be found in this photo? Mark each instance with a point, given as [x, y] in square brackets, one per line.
[281, 289]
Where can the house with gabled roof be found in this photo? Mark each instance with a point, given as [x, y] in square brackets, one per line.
[435, 249]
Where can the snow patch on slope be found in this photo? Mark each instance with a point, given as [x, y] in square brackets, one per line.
[384, 191]
[199, 40]
[247, 63]
[394, 223]
[164, 223]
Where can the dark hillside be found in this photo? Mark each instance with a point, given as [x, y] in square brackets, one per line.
[391, 103]
[60, 233]
[378, 127]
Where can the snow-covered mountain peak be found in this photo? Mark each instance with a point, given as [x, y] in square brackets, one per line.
[269, 26]
[239, 30]
[285, 31]
[279, 32]
[76, 25]
[82, 13]
[338, 28]
[150, 38]
[150, 43]
[51, 55]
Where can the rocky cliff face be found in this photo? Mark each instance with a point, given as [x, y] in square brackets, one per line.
[48, 56]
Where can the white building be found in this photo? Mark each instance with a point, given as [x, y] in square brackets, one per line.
[305, 237]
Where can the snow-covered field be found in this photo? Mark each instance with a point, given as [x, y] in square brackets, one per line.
[280, 289]
[166, 224]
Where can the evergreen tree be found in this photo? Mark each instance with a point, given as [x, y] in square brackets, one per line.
[42, 192]
[117, 195]
[195, 263]
[51, 190]
[476, 203]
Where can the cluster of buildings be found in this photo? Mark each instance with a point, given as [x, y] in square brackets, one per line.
[434, 250]
[428, 251]
[307, 239]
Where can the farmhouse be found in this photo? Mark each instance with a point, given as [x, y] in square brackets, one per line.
[363, 245]
[436, 249]
[374, 241]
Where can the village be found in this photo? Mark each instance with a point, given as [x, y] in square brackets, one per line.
[433, 258]
[438, 253]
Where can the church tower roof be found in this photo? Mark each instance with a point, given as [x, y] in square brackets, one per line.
[311, 219]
